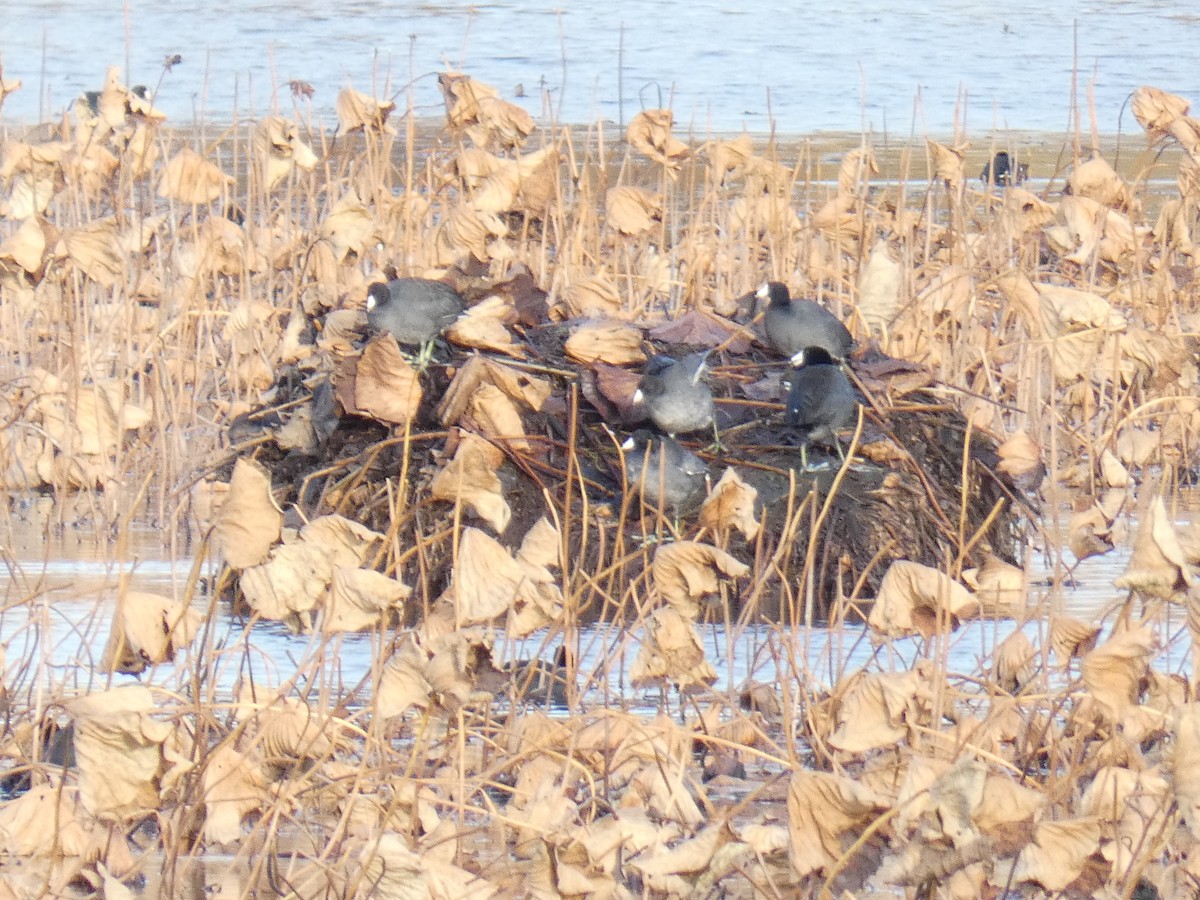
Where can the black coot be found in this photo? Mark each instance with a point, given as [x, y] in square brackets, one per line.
[1002, 170]
[676, 398]
[413, 310]
[668, 474]
[793, 325]
[821, 399]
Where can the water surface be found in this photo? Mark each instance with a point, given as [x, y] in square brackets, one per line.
[909, 66]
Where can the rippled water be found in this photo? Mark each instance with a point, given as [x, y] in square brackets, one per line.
[895, 67]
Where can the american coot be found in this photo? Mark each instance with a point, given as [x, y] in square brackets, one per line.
[668, 474]
[413, 310]
[676, 398]
[1002, 170]
[821, 400]
[793, 325]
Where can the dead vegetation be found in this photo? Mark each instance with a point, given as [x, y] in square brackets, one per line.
[158, 291]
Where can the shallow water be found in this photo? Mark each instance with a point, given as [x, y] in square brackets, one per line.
[58, 587]
[898, 67]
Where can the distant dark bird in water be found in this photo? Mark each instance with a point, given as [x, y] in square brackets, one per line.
[821, 400]
[414, 311]
[1002, 171]
[676, 398]
[793, 325]
[668, 474]
[541, 683]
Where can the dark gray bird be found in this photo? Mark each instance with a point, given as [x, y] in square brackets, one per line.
[821, 400]
[668, 474]
[412, 310]
[792, 325]
[676, 398]
[1002, 170]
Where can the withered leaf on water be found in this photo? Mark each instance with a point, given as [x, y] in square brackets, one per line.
[361, 598]
[118, 748]
[280, 149]
[948, 162]
[685, 571]
[531, 391]
[1158, 566]
[671, 651]
[1114, 670]
[290, 585]
[1056, 855]
[147, 629]
[916, 599]
[484, 327]
[234, 786]
[633, 210]
[1070, 637]
[880, 709]
[248, 522]
[826, 813]
[485, 578]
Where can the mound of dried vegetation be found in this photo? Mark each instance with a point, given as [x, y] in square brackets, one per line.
[160, 289]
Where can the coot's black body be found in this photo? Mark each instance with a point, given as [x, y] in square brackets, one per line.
[793, 325]
[821, 400]
[675, 396]
[667, 473]
[413, 310]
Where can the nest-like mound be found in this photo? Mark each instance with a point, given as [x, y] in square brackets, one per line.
[825, 532]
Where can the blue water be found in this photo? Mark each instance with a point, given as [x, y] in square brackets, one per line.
[902, 67]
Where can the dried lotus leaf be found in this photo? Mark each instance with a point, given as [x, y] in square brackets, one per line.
[913, 598]
[147, 629]
[686, 571]
[616, 343]
[1058, 852]
[1013, 662]
[632, 210]
[385, 386]
[349, 227]
[1070, 637]
[485, 579]
[248, 523]
[671, 651]
[855, 171]
[1113, 671]
[290, 585]
[650, 133]
[1097, 179]
[360, 599]
[470, 477]
[234, 785]
[279, 150]
[483, 327]
[731, 505]
[357, 111]
[190, 178]
[826, 814]
[1156, 110]
[1158, 566]
[948, 162]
